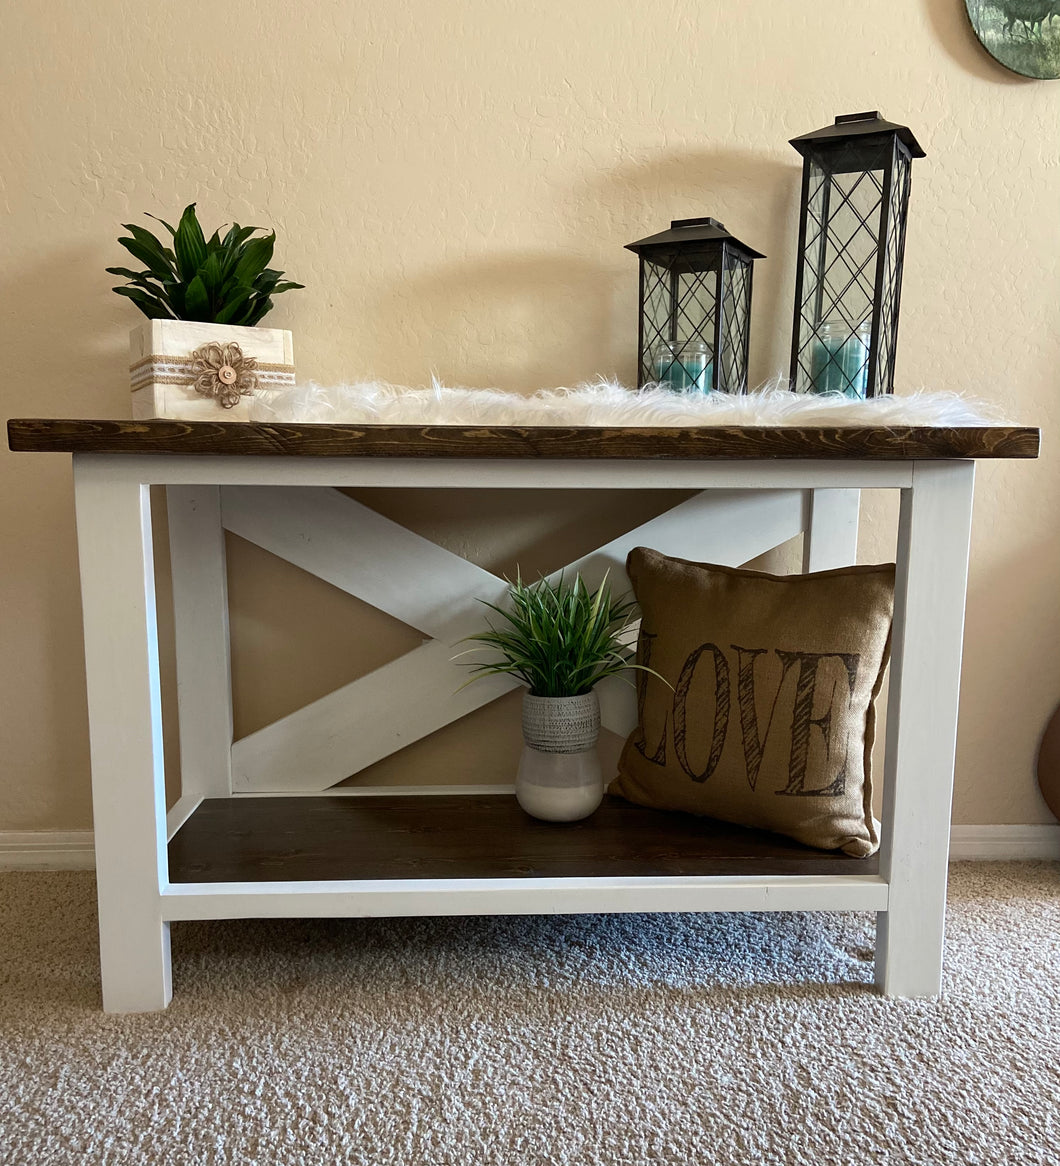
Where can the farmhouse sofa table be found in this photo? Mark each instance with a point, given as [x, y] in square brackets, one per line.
[247, 839]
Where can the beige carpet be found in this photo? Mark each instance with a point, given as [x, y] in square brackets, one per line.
[629, 1039]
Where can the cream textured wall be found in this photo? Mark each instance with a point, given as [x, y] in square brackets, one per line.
[454, 181]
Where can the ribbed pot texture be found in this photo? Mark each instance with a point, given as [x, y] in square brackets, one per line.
[561, 724]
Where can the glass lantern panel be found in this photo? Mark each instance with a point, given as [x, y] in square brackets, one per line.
[736, 304]
[843, 220]
[679, 307]
[696, 302]
[894, 251]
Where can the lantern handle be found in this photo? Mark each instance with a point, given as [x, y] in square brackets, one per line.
[869, 115]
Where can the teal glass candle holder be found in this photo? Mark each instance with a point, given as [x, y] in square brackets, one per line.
[685, 367]
[840, 362]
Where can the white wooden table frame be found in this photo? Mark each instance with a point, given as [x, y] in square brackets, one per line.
[747, 506]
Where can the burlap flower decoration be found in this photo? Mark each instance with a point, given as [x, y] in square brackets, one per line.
[223, 373]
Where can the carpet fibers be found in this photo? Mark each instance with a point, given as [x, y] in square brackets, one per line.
[537, 1041]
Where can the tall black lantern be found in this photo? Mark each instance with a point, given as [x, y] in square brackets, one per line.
[855, 200]
[695, 307]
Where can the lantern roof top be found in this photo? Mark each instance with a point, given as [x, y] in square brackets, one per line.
[691, 231]
[856, 125]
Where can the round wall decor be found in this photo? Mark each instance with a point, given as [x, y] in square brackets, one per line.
[1023, 35]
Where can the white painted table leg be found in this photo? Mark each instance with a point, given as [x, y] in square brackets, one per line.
[831, 538]
[125, 718]
[200, 617]
[933, 541]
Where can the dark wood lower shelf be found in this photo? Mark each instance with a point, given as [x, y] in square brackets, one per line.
[469, 837]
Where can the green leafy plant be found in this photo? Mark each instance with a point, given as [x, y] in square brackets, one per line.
[558, 638]
[217, 280]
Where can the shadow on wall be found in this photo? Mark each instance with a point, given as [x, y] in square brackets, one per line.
[66, 349]
[949, 19]
[529, 320]
[1012, 703]
[86, 373]
[517, 322]
[755, 196]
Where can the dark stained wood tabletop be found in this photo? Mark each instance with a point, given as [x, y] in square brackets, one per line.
[450, 836]
[876, 443]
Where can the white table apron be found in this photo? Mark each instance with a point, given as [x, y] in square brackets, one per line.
[745, 504]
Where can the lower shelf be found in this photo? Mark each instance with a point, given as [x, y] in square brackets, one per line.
[253, 840]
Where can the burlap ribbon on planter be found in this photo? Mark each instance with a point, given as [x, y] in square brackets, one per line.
[219, 371]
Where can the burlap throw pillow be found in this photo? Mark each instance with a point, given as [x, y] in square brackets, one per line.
[771, 717]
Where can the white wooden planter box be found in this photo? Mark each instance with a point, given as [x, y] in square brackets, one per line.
[160, 360]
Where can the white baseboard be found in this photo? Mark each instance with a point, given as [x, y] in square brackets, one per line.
[1005, 842]
[73, 849]
[47, 850]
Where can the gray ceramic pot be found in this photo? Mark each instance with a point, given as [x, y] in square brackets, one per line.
[559, 777]
[561, 724]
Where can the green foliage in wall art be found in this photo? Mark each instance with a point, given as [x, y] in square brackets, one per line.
[220, 280]
[1022, 34]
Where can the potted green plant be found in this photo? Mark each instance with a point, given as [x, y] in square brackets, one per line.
[560, 639]
[201, 354]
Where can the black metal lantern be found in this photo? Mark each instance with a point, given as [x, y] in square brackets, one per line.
[855, 198]
[695, 307]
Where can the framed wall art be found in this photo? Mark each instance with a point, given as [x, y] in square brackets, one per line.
[1023, 35]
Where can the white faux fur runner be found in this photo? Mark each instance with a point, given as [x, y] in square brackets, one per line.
[607, 403]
